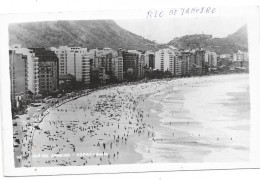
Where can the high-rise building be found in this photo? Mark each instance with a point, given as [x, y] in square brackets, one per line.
[32, 68]
[167, 60]
[131, 62]
[109, 63]
[200, 60]
[48, 70]
[74, 61]
[186, 64]
[141, 65]
[164, 59]
[62, 54]
[177, 64]
[149, 60]
[18, 77]
[85, 70]
[195, 68]
[212, 59]
[118, 66]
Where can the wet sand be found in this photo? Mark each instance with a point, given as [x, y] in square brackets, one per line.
[199, 119]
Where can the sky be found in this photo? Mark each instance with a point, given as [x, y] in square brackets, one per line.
[164, 30]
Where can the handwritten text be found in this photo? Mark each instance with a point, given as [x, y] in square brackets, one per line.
[180, 12]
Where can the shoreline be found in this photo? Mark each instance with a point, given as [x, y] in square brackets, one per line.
[132, 139]
[190, 141]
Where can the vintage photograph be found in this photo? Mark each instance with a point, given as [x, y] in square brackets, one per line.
[130, 91]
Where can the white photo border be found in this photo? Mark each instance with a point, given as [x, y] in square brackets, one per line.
[251, 12]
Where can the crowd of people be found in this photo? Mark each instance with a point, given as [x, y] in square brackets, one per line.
[99, 123]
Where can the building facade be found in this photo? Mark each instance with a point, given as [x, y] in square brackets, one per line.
[32, 68]
[164, 60]
[200, 62]
[130, 63]
[177, 63]
[118, 67]
[149, 61]
[74, 61]
[18, 77]
[141, 65]
[186, 64]
[109, 63]
[241, 60]
[212, 59]
[48, 70]
[169, 60]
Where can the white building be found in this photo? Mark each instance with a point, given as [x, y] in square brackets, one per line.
[74, 61]
[207, 54]
[240, 56]
[118, 67]
[212, 59]
[84, 72]
[222, 56]
[32, 67]
[164, 60]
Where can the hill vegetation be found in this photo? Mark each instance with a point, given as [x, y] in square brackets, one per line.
[106, 33]
[230, 44]
[90, 34]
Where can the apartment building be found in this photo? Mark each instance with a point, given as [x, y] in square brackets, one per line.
[200, 61]
[118, 66]
[186, 63]
[212, 59]
[48, 70]
[241, 60]
[141, 65]
[163, 58]
[74, 61]
[166, 60]
[32, 68]
[109, 63]
[130, 62]
[149, 61]
[18, 77]
[176, 70]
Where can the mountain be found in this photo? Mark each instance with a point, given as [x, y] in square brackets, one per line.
[230, 44]
[90, 34]
[239, 38]
[106, 33]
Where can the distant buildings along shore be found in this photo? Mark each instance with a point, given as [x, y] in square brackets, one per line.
[38, 72]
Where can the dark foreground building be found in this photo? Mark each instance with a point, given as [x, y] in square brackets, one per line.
[48, 70]
[18, 77]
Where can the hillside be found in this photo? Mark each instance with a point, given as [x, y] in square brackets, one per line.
[90, 34]
[230, 44]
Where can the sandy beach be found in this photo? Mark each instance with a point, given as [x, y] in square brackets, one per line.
[198, 119]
